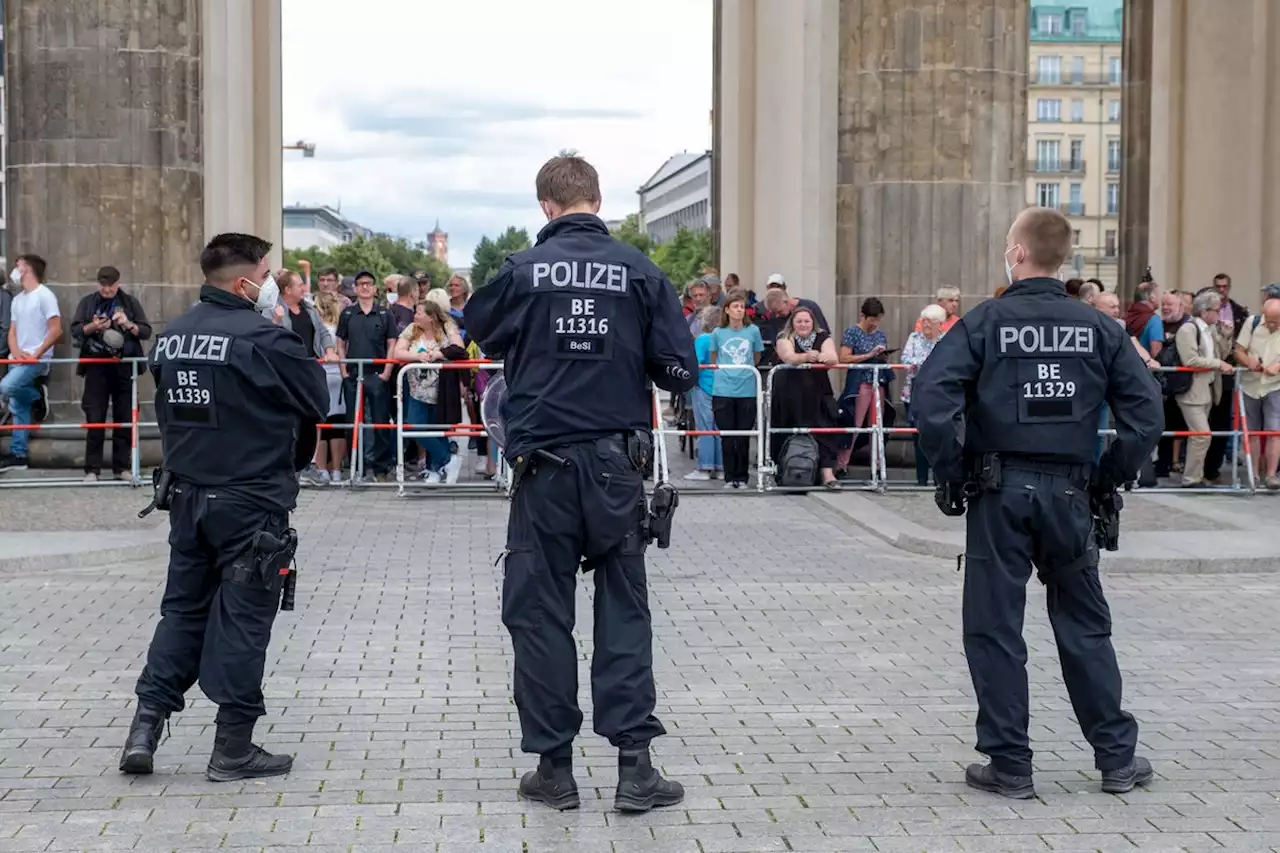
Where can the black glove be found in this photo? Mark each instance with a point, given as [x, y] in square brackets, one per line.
[949, 496]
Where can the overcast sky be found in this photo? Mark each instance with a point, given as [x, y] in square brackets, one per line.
[446, 108]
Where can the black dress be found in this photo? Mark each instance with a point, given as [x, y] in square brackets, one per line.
[803, 398]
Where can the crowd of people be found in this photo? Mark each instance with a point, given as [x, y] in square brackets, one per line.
[1203, 329]
[403, 318]
[341, 318]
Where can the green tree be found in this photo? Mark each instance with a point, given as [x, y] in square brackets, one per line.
[382, 255]
[490, 254]
[629, 232]
[683, 256]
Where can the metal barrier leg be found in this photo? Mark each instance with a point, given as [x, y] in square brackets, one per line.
[399, 404]
[1243, 425]
[877, 432]
[135, 454]
[764, 434]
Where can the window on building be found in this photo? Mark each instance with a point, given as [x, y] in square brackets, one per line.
[1110, 244]
[1047, 195]
[1075, 237]
[1049, 23]
[1049, 109]
[1049, 69]
[1078, 21]
[1114, 71]
[1077, 110]
[1113, 198]
[1046, 155]
[1075, 193]
[1113, 155]
[1077, 154]
[1077, 69]
[1113, 110]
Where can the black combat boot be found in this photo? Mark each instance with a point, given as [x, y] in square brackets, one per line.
[640, 786]
[1125, 779]
[984, 777]
[552, 783]
[144, 736]
[235, 756]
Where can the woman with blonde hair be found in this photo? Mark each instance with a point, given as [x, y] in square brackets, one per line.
[428, 340]
[331, 446]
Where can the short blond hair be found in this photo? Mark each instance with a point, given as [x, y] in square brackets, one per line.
[1046, 235]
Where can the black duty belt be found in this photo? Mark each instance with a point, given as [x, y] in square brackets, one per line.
[1075, 471]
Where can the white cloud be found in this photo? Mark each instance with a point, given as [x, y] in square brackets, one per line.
[426, 109]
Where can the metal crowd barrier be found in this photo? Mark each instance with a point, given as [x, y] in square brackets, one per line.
[1240, 434]
[7, 481]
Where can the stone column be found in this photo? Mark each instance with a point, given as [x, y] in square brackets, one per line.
[932, 150]
[776, 134]
[1135, 144]
[242, 119]
[1215, 144]
[105, 161]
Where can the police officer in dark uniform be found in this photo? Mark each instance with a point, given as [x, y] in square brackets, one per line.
[582, 323]
[237, 400]
[1007, 407]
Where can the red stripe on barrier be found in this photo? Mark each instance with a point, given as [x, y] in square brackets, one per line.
[38, 427]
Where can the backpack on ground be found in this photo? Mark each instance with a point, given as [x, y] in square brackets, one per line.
[798, 463]
[1175, 382]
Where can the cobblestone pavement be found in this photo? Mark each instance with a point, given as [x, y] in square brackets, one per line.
[811, 678]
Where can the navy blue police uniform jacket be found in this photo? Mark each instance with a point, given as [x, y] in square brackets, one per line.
[237, 399]
[1026, 374]
[582, 323]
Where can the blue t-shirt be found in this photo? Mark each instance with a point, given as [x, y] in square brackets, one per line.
[1153, 331]
[735, 346]
[702, 346]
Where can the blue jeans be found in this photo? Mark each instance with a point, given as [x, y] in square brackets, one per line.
[19, 385]
[710, 452]
[417, 413]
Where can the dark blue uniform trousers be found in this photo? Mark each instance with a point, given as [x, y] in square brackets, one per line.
[1042, 517]
[590, 510]
[211, 629]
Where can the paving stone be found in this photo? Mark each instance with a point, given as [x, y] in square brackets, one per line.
[811, 678]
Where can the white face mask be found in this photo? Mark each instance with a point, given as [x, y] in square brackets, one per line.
[392, 297]
[1008, 267]
[268, 293]
[15, 276]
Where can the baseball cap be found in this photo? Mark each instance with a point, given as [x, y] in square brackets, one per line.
[1272, 291]
[108, 275]
[364, 274]
[776, 278]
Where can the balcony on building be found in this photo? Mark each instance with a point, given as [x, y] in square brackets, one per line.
[1055, 167]
[1045, 77]
[1073, 208]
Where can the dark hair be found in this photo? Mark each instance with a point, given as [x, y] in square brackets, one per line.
[232, 250]
[37, 265]
[1073, 287]
[1102, 288]
[373, 279]
[333, 271]
[872, 307]
[1220, 276]
[724, 309]
[567, 180]
[108, 275]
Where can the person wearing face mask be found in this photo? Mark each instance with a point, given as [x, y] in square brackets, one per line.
[582, 323]
[1007, 407]
[237, 399]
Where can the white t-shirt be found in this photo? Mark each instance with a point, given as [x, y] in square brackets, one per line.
[31, 312]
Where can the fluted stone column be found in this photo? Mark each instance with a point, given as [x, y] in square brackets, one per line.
[932, 150]
[1135, 142]
[1214, 144]
[105, 154]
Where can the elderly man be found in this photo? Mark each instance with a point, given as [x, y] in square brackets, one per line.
[1143, 320]
[1196, 348]
[700, 293]
[1258, 356]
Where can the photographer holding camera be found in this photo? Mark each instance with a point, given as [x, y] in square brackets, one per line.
[108, 324]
